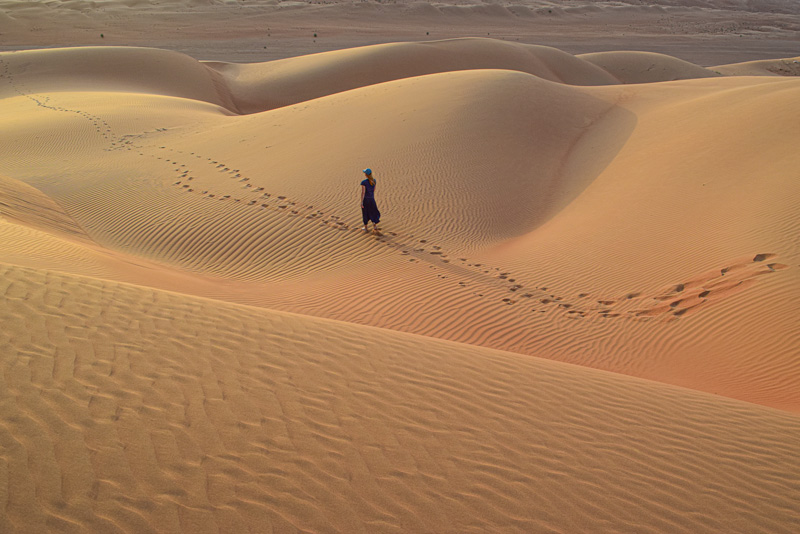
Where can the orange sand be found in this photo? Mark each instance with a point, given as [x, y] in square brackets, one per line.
[581, 315]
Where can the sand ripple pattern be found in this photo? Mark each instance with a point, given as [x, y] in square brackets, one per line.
[536, 213]
[225, 415]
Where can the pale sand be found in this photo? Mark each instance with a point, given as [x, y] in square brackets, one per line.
[197, 336]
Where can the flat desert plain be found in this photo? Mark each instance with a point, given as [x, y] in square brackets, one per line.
[581, 314]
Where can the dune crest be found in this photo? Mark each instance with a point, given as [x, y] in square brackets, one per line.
[123, 69]
[646, 67]
[769, 67]
[258, 87]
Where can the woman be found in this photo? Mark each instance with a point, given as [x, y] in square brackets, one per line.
[369, 209]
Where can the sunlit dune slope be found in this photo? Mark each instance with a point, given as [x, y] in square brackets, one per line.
[692, 231]
[127, 409]
[646, 67]
[249, 88]
[35, 231]
[124, 69]
[261, 86]
[768, 67]
[454, 146]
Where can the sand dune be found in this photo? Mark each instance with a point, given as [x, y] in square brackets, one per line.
[646, 67]
[133, 410]
[123, 69]
[200, 337]
[258, 87]
[457, 149]
[776, 67]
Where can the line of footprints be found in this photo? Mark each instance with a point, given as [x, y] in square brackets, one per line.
[676, 301]
[673, 302]
[100, 126]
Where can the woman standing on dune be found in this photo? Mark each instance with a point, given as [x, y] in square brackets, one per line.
[369, 209]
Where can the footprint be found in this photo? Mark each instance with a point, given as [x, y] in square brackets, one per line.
[726, 270]
[762, 257]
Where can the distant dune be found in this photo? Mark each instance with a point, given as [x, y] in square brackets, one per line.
[769, 67]
[581, 314]
[645, 67]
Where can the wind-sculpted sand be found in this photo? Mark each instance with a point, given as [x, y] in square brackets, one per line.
[581, 315]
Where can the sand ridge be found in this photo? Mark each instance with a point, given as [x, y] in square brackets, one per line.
[583, 295]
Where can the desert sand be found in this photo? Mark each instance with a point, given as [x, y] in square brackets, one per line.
[581, 314]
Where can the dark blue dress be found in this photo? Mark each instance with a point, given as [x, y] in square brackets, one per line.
[370, 210]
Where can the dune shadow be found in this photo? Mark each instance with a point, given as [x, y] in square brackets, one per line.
[582, 162]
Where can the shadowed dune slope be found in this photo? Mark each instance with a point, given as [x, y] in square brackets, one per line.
[30, 207]
[127, 409]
